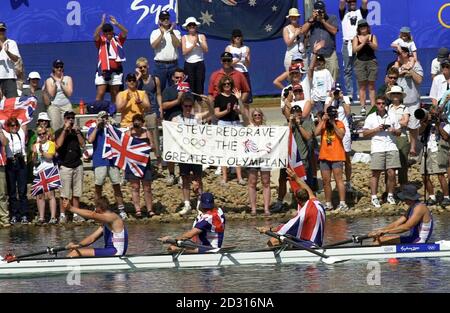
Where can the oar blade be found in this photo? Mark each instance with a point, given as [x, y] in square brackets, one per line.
[333, 260]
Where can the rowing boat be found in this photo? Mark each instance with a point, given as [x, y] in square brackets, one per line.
[227, 258]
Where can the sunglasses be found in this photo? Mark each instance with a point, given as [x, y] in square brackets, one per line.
[256, 115]
[59, 66]
[380, 102]
[192, 25]
[226, 60]
[392, 77]
[164, 19]
[142, 66]
[298, 91]
[227, 84]
[131, 80]
[42, 134]
[70, 117]
[445, 66]
[178, 77]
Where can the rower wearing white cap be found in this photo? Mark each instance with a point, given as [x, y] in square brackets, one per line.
[417, 220]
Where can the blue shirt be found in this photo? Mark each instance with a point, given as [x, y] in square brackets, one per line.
[97, 155]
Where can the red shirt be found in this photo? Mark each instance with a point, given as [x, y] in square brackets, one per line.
[240, 82]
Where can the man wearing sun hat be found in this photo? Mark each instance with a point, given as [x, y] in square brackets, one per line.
[34, 89]
[9, 55]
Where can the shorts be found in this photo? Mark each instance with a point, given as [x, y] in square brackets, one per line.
[257, 169]
[347, 140]
[381, 161]
[366, 70]
[116, 79]
[410, 239]
[101, 172]
[434, 166]
[105, 251]
[229, 123]
[413, 123]
[187, 169]
[147, 174]
[71, 181]
[330, 165]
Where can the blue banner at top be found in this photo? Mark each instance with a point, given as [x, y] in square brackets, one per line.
[49, 21]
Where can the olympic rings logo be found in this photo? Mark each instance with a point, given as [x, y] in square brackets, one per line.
[440, 15]
[197, 143]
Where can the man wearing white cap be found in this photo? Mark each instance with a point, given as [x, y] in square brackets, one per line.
[34, 89]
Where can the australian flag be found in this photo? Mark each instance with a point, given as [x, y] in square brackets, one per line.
[125, 151]
[258, 19]
[46, 180]
[21, 108]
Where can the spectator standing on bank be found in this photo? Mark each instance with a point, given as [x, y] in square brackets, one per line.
[110, 58]
[104, 167]
[152, 87]
[342, 104]
[136, 130]
[324, 27]
[165, 41]
[59, 88]
[16, 171]
[349, 22]
[9, 55]
[382, 126]
[410, 81]
[194, 46]
[332, 155]
[4, 214]
[441, 83]
[443, 53]
[34, 89]
[43, 152]
[293, 35]
[69, 142]
[366, 66]
[131, 101]
[241, 58]
[396, 95]
[227, 108]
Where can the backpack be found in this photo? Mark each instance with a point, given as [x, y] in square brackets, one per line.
[95, 107]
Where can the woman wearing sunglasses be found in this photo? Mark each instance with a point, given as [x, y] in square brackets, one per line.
[43, 152]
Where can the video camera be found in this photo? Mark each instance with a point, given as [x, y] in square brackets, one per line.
[332, 112]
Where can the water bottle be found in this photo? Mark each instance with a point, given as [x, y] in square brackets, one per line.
[82, 108]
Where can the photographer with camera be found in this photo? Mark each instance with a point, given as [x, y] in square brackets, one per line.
[331, 155]
[342, 104]
[69, 142]
[16, 170]
[441, 83]
[324, 27]
[104, 167]
[296, 78]
[382, 126]
[434, 133]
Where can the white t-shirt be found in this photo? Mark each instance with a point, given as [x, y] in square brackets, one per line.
[382, 141]
[239, 54]
[399, 112]
[438, 87]
[16, 143]
[322, 82]
[6, 64]
[196, 54]
[410, 44]
[435, 67]
[349, 28]
[341, 111]
[306, 91]
[165, 51]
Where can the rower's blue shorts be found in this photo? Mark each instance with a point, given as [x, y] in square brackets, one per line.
[105, 251]
[408, 239]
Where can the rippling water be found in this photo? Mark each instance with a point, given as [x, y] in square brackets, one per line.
[425, 275]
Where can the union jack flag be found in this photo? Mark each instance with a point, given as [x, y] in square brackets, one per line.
[21, 108]
[295, 161]
[125, 151]
[183, 87]
[46, 180]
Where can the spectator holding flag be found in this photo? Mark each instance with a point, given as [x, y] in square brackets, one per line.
[43, 152]
[136, 130]
[131, 101]
[332, 155]
[16, 171]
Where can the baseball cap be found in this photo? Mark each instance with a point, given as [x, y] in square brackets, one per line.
[164, 14]
[58, 62]
[337, 86]
[236, 33]
[297, 87]
[319, 5]
[405, 29]
[43, 116]
[362, 22]
[34, 75]
[443, 54]
[69, 113]
[226, 55]
[207, 200]
[3, 26]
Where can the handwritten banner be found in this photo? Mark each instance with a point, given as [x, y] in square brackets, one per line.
[226, 145]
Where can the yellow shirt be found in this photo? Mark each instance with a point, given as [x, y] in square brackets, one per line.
[131, 108]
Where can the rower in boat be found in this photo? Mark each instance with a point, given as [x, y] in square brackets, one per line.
[113, 230]
[209, 227]
[308, 225]
[418, 220]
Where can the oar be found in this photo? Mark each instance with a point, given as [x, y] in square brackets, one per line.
[191, 244]
[324, 258]
[354, 239]
[51, 251]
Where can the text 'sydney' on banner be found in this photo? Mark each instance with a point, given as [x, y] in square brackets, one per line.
[265, 146]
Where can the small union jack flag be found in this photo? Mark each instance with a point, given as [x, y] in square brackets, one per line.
[21, 108]
[125, 151]
[183, 87]
[46, 180]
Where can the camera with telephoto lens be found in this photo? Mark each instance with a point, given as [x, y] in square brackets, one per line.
[286, 91]
[423, 115]
[332, 112]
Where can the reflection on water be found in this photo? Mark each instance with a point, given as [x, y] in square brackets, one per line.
[424, 275]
